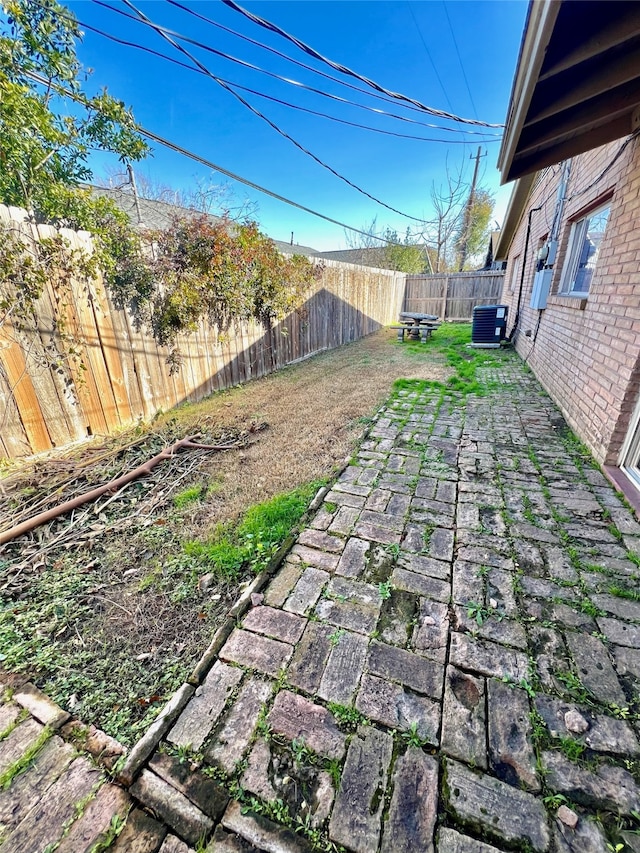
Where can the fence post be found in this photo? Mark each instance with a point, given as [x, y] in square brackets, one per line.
[443, 310]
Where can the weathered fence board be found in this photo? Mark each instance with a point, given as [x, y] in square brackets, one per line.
[452, 296]
[50, 396]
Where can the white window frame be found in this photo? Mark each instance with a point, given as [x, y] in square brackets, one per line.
[575, 247]
[515, 273]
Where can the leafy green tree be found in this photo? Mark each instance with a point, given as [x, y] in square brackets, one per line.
[46, 138]
[404, 255]
[473, 233]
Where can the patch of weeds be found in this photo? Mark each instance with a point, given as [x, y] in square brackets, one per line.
[334, 638]
[574, 686]
[22, 715]
[335, 771]
[633, 557]
[189, 496]
[384, 590]
[588, 607]
[19, 766]
[114, 829]
[623, 592]
[621, 712]
[392, 550]
[412, 736]
[483, 571]
[478, 612]
[301, 752]
[554, 801]
[330, 507]
[346, 716]
[571, 748]
[261, 531]
[613, 530]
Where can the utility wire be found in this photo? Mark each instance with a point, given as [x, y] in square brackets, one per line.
[455, 44]
[343, 69]
[304, 65]
[278, 77]
[149, 134]
[188, 67]
[427, 51]
[608, 167]
[269, 122]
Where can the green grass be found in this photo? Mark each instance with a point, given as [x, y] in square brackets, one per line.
[189, 496]
[19, 766]
[257, 536]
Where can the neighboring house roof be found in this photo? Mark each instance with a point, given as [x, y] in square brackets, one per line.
[375, 256]
[577, 84]
[160, 214]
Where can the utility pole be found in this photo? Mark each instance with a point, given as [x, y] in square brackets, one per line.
[466, 222]
[132, 181]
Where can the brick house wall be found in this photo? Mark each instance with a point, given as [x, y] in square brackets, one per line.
[585, 352]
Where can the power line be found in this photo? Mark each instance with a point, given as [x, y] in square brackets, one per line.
[428, 52]
[271, 123]
[455, 44]
[289, 81]
[343, 69]
[174, 61]
[211, 165]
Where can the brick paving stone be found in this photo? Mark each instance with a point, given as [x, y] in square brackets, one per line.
[354, 558]
[344, 499]
[141, 834]
[322, 519]
[398, 505]
[357, 813]
[352, 489]
[570, 618]
[547, 589]
[411, 670]
[619, 632]
[299, 719]
[627, 660]
[237, 727]
[507, 632]
[621, 607]
[531, 531]
[604, 734]
[307, 591]
[378, 500]
[501, 810]
[45, 822]
[354, 591]
[464, 718]
[586, 837]
[467, 516]
[281, 586]
[398, 708]
[172, 806]
[275, 623]
[256, 775]
[344, 521]
[93, 825]
[313, 557]
[397, 617]
[310, 657]
[9, 714]
[485, 557]
[18, 741]
[511, 754]
[421, 584]
[427, 487]
[431, 631]
[450, 841]
[262, 834]
[261, 653]
[413, 539]
[28, 788]
[350, 615]
[171, 844]
[594, 668]
[205, 707]
[40, 706]
[414, 805]
[446, 491]
[377, 533]
[196, 786]
[487, 658]
[441, 544]
[468, 583]
[607, 787]
[500, 589]
[425, 565]
[344, 668]
[382, 519]
[322, 541]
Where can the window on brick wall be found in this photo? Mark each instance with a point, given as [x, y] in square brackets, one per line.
[582, 252]
[514, 279]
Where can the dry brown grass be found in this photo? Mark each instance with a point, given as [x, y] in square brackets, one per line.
[315, 412]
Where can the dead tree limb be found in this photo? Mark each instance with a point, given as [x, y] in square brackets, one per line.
[141, 471]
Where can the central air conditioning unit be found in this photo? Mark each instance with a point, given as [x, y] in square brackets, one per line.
[489, 325]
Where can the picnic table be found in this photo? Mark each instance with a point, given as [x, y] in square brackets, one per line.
[417, 326]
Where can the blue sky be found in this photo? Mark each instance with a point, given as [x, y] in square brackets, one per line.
[382, 40]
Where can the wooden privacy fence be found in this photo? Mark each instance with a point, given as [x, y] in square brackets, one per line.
[102, 373]
[452, 296]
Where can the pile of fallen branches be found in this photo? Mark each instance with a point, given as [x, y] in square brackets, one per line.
[61, 502]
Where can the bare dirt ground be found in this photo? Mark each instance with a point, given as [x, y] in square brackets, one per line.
[103, 608]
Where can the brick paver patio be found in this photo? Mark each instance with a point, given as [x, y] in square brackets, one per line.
[448, 659]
